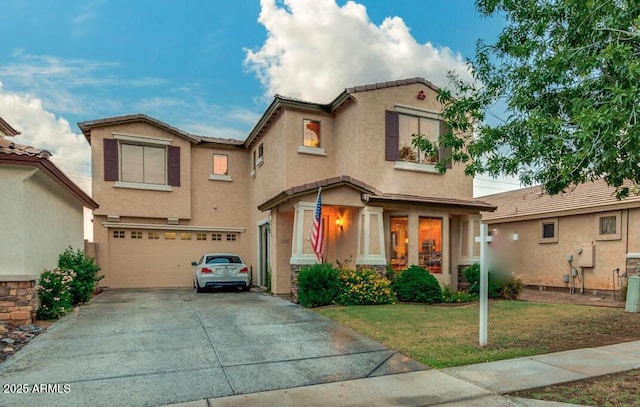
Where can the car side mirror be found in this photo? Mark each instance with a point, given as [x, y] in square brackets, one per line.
[193, 263]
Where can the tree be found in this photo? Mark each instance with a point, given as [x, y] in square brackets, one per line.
[568, 72]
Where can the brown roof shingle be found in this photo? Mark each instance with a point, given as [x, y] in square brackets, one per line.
[533, 202]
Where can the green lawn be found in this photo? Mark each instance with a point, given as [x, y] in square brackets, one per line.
[443, 336]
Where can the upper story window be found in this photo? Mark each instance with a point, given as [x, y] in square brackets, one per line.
[141, 162]
[311, 133]
[400, 126]
[220, 168]
[410, 125]
[311, 138]
[220, 164]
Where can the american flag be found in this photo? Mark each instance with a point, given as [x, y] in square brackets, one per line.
[317, 229]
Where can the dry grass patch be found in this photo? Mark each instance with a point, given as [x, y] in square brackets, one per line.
[620, 390]
[446, 336]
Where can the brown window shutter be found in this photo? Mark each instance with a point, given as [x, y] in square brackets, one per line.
[110, 159]
[444, 152]
[391, 138]
[173, 166]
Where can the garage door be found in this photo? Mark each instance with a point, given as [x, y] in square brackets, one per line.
[158, 258]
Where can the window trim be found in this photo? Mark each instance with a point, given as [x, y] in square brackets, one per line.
[613, 236]
[548, 221]
[312, 150]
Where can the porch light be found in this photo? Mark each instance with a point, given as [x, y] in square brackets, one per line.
[340, 223]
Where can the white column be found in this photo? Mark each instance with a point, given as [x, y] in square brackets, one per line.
[300, 234]
[371, 232]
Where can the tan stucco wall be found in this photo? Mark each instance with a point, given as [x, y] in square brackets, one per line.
[360, 148]
[545, 264]
[44, 219]
[133, 202]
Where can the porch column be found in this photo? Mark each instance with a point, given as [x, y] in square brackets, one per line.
[301, 251]
[371, 238]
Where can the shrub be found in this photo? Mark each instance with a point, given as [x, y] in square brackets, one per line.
[502, 286]
[418, 285]
[391, 273]
[511, 288]
[86, 271]
[364, 287]
[318, 285]
[54, 293]
[456, 297]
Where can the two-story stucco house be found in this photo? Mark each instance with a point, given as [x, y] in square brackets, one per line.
[167, 196]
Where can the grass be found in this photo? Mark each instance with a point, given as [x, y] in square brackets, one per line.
[619, 390]
[446, 336]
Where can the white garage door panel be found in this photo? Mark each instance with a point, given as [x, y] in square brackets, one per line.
[151, 263]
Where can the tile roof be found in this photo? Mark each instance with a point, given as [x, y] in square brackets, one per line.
[534, 203]
[371, 194]
[86, 127]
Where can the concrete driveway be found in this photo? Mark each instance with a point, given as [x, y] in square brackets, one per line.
[154, 347]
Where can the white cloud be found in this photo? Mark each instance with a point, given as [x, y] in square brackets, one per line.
[314, 49]
[43, 130]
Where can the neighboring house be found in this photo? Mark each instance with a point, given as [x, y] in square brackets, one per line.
[167, 196]
[587, 225]
[43, 216]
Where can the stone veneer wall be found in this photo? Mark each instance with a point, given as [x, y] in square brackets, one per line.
[18, 302]
[295, 269]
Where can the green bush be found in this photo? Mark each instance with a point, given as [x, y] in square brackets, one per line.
[364, 287]
[472, 275]
[86, 271]
[54, 293]
[391, 273]
[456, 297]
[318, 285]
[418, 285]
[500, 285]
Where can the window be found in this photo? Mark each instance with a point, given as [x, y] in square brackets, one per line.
[154, 235]
[136, 235]
[185, 236]
[231, 237]
[216, 236]
[311, 133]
[260, 155]
[201, 236]
[141, 162]
[549, 230]
[430, 243]
[220, 164]
[608, 226]
[169, 235]
[410, 125]
[118, 234]
[400, 126]
[399, 241]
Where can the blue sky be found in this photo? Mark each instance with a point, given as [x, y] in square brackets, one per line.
[211, 67]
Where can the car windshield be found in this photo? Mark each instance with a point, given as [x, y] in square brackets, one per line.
[223, 259]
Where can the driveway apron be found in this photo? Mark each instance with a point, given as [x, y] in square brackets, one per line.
[155, 347]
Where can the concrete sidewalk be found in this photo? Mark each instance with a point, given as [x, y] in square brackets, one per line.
[474, 385]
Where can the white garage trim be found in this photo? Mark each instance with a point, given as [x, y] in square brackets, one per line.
[160, 226]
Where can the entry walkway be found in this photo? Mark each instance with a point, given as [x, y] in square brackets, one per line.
[474, 385]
